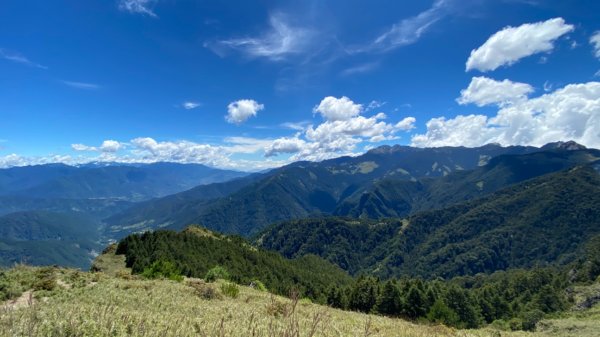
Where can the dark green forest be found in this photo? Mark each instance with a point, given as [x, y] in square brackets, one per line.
[540, 222]
[195, 251]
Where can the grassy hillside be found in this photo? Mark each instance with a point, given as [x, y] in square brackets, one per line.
[65, 302]
[541, 221]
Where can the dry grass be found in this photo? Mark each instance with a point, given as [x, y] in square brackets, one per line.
[102, 305]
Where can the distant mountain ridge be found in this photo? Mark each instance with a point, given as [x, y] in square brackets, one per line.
[134, 182]
[335, 186]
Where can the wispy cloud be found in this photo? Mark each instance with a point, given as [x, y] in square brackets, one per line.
[408, 30]
[299, 126]
[18, 58]
[138, 7]
[360, 69]
[81, 85]
[279, 41]
[189, 105]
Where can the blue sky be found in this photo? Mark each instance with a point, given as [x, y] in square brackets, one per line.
[256, 84]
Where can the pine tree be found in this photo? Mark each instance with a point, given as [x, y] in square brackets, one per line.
[389, 302]
[415, 303]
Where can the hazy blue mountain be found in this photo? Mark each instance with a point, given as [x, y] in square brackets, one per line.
[128, 182]
[41, 238]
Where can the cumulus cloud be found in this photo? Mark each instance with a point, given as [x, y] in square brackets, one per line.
[138, 7]
[18, 58]
[514, 43]
[406, 124]
[147, 149]
[485, 91]
[110, 146]
[568, 113]
[280, 41]
[284, 145]
[343, 129]
[107, 146]
[190, 105]
[239, 111]
[338, 109]
[595, 42]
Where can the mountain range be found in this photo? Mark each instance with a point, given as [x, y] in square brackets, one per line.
[392, 184]
[52, 214]
[384, 182]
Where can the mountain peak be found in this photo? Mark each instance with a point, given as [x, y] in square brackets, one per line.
[568, 145]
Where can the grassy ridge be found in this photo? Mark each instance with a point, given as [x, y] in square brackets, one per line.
[86, 304]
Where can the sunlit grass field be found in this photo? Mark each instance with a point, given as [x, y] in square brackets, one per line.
[67, 302]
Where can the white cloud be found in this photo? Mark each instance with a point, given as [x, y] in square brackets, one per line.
[110, 146]
[138, 7]
[595, 42]
[281, 40]
[338, 109]
[149, 150]
[343, 129]
[107, 146]
[18, 58]
[239, 111]
[406, 124]
[514, 43]
[569, 113]
[284, 145]
[190, 105]
[13, 160]
[484, 91]
[81, 85]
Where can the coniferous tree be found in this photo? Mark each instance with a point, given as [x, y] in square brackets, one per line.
[390, 300]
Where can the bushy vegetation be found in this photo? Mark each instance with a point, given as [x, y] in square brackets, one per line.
[216, 273]
[162, 269]
[193, 253]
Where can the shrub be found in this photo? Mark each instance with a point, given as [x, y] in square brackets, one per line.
[277, 308]
[441, 313]
[216, 273]
[8, 289]
[45, 279]
[530, 319]
[258, 285]
[501, 324]
[515, 324]
[163, 269]
[230, 289]
[204, 290]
